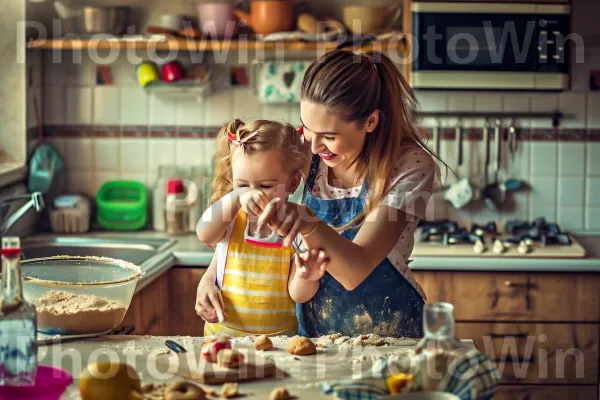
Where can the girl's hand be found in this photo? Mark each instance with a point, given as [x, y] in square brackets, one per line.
[209, 303]
[315, 265]
[250, 201]
[286, 218]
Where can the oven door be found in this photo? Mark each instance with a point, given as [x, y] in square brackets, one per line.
[477, 46]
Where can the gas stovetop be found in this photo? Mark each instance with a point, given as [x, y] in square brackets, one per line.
[517, 238]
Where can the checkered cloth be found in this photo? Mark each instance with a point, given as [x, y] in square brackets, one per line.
[471, 376]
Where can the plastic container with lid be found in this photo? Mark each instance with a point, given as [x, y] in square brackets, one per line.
[181, 197]
[50, 384]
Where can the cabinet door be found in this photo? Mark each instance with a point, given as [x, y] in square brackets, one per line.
[546, 393]
[491, 296]
[149, 309]
[538, 353]
[183, 320]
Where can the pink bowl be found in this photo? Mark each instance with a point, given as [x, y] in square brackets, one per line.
[50, 384]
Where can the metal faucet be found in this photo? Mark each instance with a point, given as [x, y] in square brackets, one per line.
[36, 201]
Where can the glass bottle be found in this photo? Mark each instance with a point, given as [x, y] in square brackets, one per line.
[439, 346]
[18, 347]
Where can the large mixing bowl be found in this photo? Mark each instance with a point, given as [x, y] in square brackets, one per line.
[79, 295]
[97, 20]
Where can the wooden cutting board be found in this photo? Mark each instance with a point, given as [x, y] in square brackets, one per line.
[191, 365]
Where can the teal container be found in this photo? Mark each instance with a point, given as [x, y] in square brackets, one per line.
[122, 205]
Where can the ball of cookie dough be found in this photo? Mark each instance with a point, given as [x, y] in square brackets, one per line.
[184, 391]
[301, 346]
[212, 346]
[263, 343]
[279, 394]
[230, 358]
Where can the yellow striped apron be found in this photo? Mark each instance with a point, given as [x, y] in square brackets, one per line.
[255, 288]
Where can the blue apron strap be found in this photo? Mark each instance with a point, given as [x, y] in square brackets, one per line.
[312, 173]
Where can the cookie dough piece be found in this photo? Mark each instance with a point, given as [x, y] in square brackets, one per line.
[230, 358]
[301, 346]
[280, 394]
[229, 390]
[154, 391]
[212, 346]
[184, 391]
[263, 343]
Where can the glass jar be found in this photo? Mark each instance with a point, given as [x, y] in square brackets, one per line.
[438, 348]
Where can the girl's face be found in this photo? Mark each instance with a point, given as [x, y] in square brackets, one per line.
[265, 171]
[336, 141]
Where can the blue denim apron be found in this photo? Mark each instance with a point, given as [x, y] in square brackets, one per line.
[385, 303]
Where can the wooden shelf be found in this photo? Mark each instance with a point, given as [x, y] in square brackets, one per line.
[201, 45]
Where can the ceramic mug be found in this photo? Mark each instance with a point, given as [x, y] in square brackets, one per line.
[217, 20]
[172, 71]
[363, 19]
[146, 73]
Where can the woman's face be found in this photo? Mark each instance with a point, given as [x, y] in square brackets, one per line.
[336, 141]
[264, 171]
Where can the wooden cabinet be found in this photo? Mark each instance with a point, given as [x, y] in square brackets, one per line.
[166, 306]
[541, 329]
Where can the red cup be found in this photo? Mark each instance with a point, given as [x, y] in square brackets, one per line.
[172, 72]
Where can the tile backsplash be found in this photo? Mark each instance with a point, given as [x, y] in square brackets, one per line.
[121, 131]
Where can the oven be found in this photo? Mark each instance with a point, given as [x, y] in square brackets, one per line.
[503, 46]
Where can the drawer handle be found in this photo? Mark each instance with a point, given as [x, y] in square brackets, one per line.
[518, 285]
[512, 335]
[516, 359]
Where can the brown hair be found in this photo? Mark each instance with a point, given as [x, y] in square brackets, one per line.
[260, 135]
[354, 85]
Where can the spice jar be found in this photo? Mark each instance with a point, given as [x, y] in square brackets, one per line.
[176, 207]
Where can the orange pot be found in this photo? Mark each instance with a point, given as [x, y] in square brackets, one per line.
[268, 16]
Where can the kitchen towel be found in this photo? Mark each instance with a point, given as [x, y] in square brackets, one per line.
[279, 83]
[471, 376]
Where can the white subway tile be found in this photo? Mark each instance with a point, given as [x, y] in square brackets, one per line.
[218, 108]
[516, 207]
[160, 151]
[592, 218]
[295, 117]
[516, 103]
[464, 217]
[461, 102]
[543, 103]
[134, 110]
[571, 158]
[593, 192]
[124, 71]
[107, 154]
[571, 191]
[593, 161]
[141, 177]
[544, 157]
[279, 113]
[81, 182]
[134, 155]
[245, 104]
[543, 211]
[59, 144]
[81, 72]
[107, 105]
[100, 178]
[573, 105]
[189, 151]
[189, 113]
[55, 70]
[490, 102]
[593, 110]
[571, 218]
[543, 191]
[79, 105]
[209, 148]
[79, 154]
[518, 165]
[431, 101]
[485, 215]
[162, 111]
[54, 108]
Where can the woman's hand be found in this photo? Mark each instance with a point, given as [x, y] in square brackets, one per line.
[315, 264]
[250, 200]
[286, 219]
[209, 302]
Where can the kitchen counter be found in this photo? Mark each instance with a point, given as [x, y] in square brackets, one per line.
[187, 251]
[148, 353]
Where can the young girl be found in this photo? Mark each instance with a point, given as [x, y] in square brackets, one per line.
[244, 291]
[369, 183]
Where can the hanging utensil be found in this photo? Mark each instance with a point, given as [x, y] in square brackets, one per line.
[493, 194]
[460, 193]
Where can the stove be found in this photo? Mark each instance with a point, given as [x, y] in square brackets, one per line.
[518, 238]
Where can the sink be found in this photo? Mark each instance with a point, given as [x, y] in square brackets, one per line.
[136, 251]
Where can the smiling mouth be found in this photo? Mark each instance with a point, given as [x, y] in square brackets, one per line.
[327, 156]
